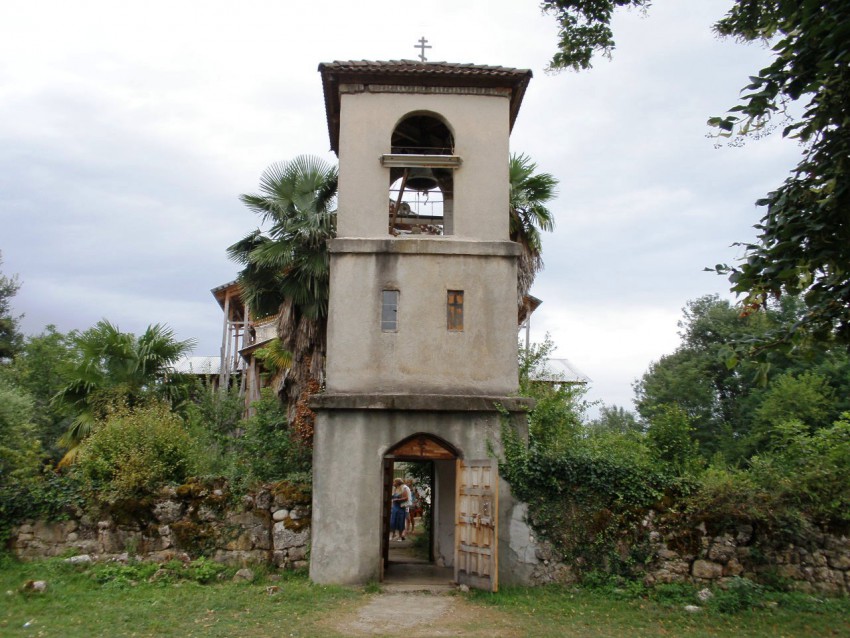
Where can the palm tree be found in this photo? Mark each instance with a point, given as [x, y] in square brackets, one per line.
[117, 367]
[529, 194]
[286, 268]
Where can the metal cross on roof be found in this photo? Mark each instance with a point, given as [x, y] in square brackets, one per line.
[422, 46]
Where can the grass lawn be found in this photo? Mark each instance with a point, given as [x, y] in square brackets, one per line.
[561, 611]
[85, 601]
[110, 600]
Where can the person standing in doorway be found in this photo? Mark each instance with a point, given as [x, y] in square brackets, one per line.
[408, 484]
[398, 514]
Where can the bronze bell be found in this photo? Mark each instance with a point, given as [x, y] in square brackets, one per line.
[421, 180]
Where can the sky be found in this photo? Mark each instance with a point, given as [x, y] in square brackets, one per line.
[129, 129]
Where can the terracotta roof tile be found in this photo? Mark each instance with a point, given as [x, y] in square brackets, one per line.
[413, 73]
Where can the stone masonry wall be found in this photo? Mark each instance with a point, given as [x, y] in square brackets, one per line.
[270, 525]
[821, 564]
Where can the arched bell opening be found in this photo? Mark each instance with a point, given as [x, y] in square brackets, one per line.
[421, 180]
[418, 211]
[430, 462]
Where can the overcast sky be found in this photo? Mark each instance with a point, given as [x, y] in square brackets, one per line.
[128, 130]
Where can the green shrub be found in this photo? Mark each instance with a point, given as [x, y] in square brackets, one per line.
[20, 449]
[203, 570]
[214, 421]
[589, 499]
[810, 470]
[726, 497]
[134, 452]
[47, 497]
[670, 438]
[677, 594]
[120, 576]
[740, 594]
[267, 449]
[798, 486]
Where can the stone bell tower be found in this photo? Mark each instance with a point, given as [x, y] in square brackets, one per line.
[422, 329]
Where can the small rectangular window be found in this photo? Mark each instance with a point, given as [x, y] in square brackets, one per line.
[454, 310]
[389, 310]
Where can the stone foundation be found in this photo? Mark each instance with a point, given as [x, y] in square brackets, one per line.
[270, 526]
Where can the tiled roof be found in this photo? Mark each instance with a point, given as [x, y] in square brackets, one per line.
[415, 73]
[421, 68]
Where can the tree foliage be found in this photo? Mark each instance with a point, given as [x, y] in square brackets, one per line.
[20, 449]
[41, 368]
[556, 420]
[286, 270]
[10, 337]
[733, 408]
[803, 245]
[113, 368]
[530, 192]
[290, 260]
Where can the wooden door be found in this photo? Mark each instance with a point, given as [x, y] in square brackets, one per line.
[476, 524]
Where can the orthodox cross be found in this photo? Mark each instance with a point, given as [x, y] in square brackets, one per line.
[422, 46]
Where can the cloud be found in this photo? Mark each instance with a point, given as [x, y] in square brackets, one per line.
[128, 130]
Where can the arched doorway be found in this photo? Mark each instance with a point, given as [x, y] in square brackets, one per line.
[439, 459]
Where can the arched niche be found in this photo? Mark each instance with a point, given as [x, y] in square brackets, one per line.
[423, 447]
[421, 166]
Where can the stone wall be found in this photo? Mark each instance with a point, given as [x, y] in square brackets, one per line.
[270, 525]
[820, 564]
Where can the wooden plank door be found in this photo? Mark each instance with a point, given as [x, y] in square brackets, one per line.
[476, 524]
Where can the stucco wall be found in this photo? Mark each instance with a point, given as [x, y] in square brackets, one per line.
[480, 124]
[349, 447]
[422, 356]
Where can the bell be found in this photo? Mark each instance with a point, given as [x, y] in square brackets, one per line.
[421, 180]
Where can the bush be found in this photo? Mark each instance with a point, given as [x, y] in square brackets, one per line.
[20, 450]
[809, 471]
[49, 497]
[268, 450]
[214, 421]
[740, 594]
[670, 438]
[589, 500]
[134, 452]
[726, 497]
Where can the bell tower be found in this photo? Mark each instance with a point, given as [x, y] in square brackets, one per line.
[422, 327]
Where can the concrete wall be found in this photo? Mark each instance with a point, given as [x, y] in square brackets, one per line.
[422, 356]
[481, 126]
[444, 512]
[349, 447]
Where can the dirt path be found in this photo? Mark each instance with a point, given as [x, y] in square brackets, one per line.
[421, 615]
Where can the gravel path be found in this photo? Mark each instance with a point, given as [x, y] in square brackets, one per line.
[420, 615]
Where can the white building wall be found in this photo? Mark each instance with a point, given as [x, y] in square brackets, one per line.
[480, 124]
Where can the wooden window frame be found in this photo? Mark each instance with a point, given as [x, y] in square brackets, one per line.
[454, 310]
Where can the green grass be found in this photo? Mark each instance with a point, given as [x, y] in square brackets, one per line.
[635, 611]
[200, 600]
[109, 601]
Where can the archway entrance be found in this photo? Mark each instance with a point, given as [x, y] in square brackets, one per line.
[430, 462]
